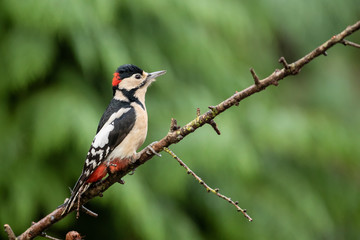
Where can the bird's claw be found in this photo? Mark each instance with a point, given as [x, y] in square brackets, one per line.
[152, 150]
[132, 172]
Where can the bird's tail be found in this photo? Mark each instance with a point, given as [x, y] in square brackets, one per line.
[80, 187]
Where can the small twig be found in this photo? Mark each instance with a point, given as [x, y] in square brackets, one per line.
[198, 112]
[10, 232]
[208, 189]
[89, 212]
[43, 234]
[83, 208]
[151, 150]
[348, 43]
[211, 122]
[173, 125]
[255, 77]
[283, 61]
[214, 126]
[290, 68]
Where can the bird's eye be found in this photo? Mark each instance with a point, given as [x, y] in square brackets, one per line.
[137, 76]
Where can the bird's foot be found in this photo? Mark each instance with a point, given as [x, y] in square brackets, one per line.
[111, 168]
[132, 172]
[150, 149]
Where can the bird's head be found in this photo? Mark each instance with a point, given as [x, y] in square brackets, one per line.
[129, 77]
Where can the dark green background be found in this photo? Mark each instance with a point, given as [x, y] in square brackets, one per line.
[290, 154]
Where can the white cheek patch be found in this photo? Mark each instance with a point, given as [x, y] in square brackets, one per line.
[130, 83]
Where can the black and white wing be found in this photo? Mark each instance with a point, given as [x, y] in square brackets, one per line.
[115, 124]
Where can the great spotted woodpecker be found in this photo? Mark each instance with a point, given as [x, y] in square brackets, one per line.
[121, 131]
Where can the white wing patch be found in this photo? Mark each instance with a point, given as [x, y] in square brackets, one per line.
[102, 138]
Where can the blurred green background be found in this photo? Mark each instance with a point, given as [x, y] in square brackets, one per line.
[290, 155]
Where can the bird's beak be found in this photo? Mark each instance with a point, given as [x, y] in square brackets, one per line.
[154, 75]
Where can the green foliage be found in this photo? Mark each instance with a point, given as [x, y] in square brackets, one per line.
[290, 154]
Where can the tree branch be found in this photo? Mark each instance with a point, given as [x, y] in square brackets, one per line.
[9, 231]
[176, 134]
[208, 189]
[348, 43]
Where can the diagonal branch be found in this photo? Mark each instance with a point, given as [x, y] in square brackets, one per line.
[208, 189]
[9, 231]
[177, 134]
[348, 43]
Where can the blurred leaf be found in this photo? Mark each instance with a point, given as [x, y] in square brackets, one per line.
[289, 155]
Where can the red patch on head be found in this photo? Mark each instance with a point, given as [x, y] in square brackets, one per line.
[116, 79]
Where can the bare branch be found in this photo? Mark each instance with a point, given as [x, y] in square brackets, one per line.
[214, 126]
[48, 237]
[255, 77]
[173, 125]
[177, 135]
[89, 212]
[208, 189]
[198, 112]
[9, 231]
[284, 63]
[212, 122]
[348, 43]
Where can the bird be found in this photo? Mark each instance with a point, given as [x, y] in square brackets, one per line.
[121, 131]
